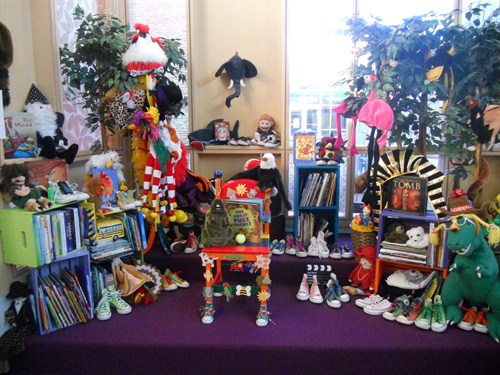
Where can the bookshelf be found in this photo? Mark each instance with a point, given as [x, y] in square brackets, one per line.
[391, 257]
[316, 201]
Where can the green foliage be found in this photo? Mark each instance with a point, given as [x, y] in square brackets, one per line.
[399, 57]
[94, 64]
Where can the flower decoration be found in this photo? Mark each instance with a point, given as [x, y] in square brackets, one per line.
[263, 262]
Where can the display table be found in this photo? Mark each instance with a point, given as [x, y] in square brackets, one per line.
[252, 259]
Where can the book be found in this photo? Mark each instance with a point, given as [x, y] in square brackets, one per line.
[395, 258]
[110, 179]
[20, 135]
[222, 132]
[403, 254]
[246, 218]
[304, 147]
[407, 194]
[140, 223]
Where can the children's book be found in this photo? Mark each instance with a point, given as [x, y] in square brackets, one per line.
[20, 135]
[407, 194]
[110, 178]
[246, 218]
[304, 144]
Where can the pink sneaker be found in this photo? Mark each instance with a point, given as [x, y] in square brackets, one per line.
[290, 245]
[191, 243]
[303, 293]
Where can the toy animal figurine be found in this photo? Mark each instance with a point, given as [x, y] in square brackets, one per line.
[237, 69]
[15, 184]
[217, 230]
[474, 275]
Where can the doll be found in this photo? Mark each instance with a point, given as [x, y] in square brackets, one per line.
[265, 134]
[362, 275]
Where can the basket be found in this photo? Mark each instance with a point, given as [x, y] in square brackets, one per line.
[360, 239]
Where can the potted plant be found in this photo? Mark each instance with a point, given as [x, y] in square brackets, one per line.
[94, 66]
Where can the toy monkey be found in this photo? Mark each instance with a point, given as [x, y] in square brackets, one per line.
[15, 184]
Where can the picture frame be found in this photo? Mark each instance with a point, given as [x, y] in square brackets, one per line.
[304, 147]
[407, 194]
[222, 131]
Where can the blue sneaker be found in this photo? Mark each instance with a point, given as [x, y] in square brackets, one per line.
[342, 295]
[331, 297]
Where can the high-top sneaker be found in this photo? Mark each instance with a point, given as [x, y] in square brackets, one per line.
[191, 243]
[331, 297]
[314, 292]
[438, 320]
[336, 252]
[339, 291]
[290, 245]
[301, 250]
[117, 302]
[313, 250]
[303, 293]
[323, 250]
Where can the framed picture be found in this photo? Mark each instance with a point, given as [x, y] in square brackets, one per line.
[304, 147]
[407, 194]
[222, 131]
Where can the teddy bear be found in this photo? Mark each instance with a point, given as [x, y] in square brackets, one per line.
[51, 140]
[396, 233]
[417, 238]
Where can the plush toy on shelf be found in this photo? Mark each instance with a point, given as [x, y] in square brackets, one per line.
[265, 135]
[16, 187]
[49, 125]
[362, 277]
[396, 232]
[417, 238]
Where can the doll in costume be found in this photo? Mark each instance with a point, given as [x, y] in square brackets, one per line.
[363, 275]
[265, 135]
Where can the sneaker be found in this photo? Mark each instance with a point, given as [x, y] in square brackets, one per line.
[314, 293]
[313, 250]
[303, 293]
[245, 141]
[273, 246]
[323, 250]
[168, 284]
[121, 199]
[301, 251]
[207, 313]
[178, 246]
[468, 319]
[290, 245]
[331, 297]
[262, 317]
[423, 320]
[438, 320]
[412, 313]
[60, 197]
[118, 303]
[279, 249]
[336, 252]
[191, 243]
[103, 310]
[481, 325]
[180, 282]
[378, 308]
[362, 302]
[339, 291]
[346, 251]
[401, 307]
[80, 195]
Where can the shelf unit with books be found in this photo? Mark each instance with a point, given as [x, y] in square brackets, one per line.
[392, 256]
[316, 201]
[63, 292]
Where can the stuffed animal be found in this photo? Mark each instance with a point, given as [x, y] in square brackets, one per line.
[396, 233]
[327, 153]
[109, 160]
[417, 238]
[217, 230]
[268, 177]
[237, 69]
[363, 275]
[49, 125]
[15, 185]
[265, 135]
[6, 57]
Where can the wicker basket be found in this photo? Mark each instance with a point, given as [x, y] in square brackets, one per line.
[360, 239]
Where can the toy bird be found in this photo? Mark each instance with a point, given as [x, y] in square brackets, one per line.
[227, 291]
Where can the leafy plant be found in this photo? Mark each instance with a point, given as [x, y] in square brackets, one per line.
[429, 114]
[94, 65]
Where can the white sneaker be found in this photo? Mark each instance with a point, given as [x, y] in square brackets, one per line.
[62, 198]
[314, 293]
[323, 250]
[378, 308]
[80, 195]
[313, 248]
[303, 293]
[362, 302]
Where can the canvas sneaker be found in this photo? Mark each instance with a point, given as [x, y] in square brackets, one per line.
[262, 317]
[207, 313]
[346, 251]
[468, 319]
[168, 284]
[314, 292]
[481, 325]
[401, 307]
[312, 249]
[412, 313]
[174, 276]
[378, 308]
[301, 251]
[303, 293]
[277, 248]
[323, 250]
[60, 197]
[336, 253]
[117, 302]
[362, 302]
[331, 297]
[423, 320]
[191, 243]
[290, 245]
[339, 291]
[438, 320]
[80, 195]
[103, 309]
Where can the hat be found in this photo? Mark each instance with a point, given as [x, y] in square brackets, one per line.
[377, 113]
[368, 252]
[459, 204]
[35, 96]
[18, 289]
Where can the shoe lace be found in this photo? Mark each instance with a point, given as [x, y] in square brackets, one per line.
[470, 316]
[437, 312]
[175, 276]
[207, 310]
[102, 305]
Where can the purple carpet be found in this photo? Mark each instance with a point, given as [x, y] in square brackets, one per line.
[167, 336]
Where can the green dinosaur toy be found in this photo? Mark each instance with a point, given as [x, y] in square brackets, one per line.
[474, 274]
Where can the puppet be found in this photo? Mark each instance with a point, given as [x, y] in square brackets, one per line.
[265, 135]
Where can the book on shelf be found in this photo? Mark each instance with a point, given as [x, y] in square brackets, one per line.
[407, 194]
[403, 247]
[403, 254]
[304, 147]
[402, 259]
[71, 280]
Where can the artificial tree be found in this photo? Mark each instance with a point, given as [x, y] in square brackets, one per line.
[94, 66]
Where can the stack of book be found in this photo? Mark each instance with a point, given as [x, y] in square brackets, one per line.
[400, 252]
[319, 189]
[62, 301]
